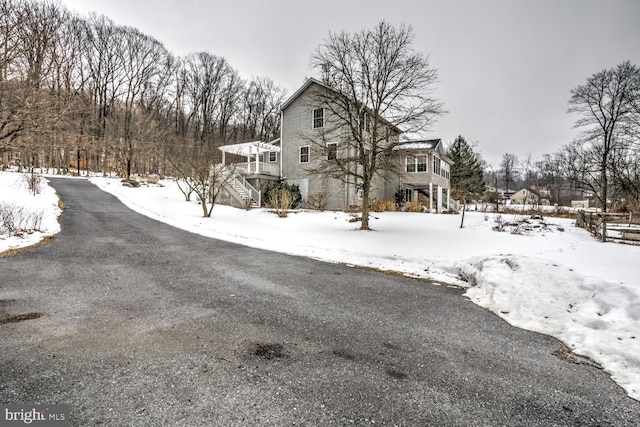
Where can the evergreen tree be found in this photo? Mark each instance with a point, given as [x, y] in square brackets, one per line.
[466, 171]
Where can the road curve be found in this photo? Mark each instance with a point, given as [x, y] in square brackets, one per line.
[132, 322]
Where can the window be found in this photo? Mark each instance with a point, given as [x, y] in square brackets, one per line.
[408, 195]
[436, 165]
[332, 151]
[416, 163]
[365, 122]
[304, 154]
[421, 163]
[273, 156]
[411, 164]
[318, 118]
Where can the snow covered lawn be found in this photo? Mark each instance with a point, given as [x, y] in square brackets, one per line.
[555, 279]
[32, 217]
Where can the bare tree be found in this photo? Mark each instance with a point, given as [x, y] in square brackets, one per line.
[212, 92]
[102, 59]
[552, 175]
[261, 109]
[141, 59]
[67, 130]
[11, 122]
[199, 167]
[377, 86]
[508, 169]
[607, 106]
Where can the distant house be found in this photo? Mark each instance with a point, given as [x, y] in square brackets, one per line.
[580, 204]
[524, 197]
[421, 170]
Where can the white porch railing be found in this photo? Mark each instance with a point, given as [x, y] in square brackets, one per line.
[454, 205]
[260, 167]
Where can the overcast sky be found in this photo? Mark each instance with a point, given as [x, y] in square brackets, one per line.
[506, 67]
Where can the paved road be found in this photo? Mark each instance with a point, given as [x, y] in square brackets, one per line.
[143, 324]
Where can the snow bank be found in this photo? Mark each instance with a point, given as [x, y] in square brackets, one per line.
[40, 210]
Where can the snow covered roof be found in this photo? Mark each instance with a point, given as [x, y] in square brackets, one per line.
[427, 144]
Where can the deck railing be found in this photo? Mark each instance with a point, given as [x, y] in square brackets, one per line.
[250, 168]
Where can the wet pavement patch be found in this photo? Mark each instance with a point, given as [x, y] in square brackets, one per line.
[269, 351]
[394, 373]
[5, 317]
[345, 354]
[391, 346]
[19, 317]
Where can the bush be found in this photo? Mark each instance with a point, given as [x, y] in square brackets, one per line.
[34, 182]
[400, 196]
[318, 201]
[273, 188]
[16, 219]
[413, 207]
[383, 206]
[281, 200]
[152, 179]
[131, 183]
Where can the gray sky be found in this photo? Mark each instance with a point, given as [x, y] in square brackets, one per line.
[505, 66]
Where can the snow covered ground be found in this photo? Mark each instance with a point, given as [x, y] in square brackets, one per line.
[554, 278]
[33, 216]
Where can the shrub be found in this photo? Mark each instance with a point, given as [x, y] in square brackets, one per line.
[281, 200]
[272, 188]
[318, 201]
[16, 219]
[383, 206]
[400, 196]
[34, 182]
[131, 183]
[413, 207]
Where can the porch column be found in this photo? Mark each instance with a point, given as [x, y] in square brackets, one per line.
[439, 208]
[430, 197]
[257, 159]
[223, 163]
[448, 198]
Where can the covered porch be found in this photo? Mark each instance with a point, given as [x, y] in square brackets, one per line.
[257, 158]
[438, 197]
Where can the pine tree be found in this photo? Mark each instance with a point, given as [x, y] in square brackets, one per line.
[466, 171]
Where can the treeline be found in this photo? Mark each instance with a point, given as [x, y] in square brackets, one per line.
[87, 93]
[602, 164]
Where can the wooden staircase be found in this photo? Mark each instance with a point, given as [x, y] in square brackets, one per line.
[243, 190]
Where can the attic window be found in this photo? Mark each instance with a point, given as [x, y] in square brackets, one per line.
[318, 118]
[365, 122]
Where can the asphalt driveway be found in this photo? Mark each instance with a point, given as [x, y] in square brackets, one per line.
[133, 322]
